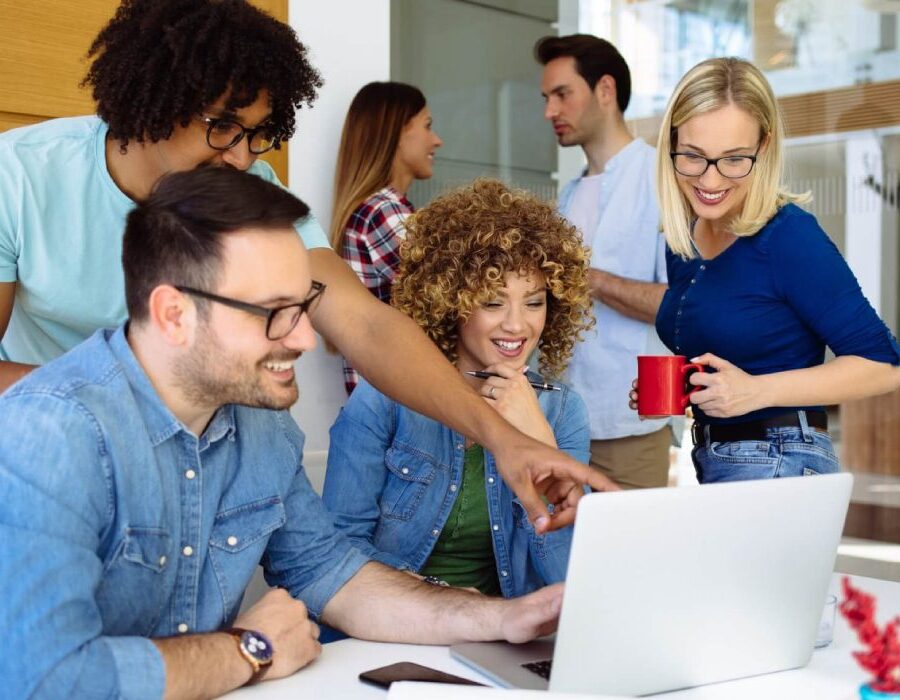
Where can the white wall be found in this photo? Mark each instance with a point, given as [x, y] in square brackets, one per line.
[348, 53]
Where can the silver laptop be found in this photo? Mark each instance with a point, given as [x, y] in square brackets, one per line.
[674, 588]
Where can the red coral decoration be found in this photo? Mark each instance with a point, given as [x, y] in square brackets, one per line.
[882, 655]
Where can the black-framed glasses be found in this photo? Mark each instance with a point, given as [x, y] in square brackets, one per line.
[280, 321]
[223, 133]
[694, 165]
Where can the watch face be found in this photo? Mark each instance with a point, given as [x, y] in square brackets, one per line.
[258, 646]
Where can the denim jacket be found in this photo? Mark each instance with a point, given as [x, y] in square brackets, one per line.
[118, 524]
[393, 475]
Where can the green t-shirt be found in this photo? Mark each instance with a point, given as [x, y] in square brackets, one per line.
[463, 556]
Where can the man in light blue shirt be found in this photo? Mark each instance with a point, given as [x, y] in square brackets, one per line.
[185, 85]
[147, 472]
[587, 85]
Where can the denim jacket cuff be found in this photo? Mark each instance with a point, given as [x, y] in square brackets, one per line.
[317, 595]
[140, 667]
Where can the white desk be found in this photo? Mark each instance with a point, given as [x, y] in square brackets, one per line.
[832, 674]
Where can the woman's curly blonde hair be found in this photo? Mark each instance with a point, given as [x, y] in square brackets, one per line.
[459, 249]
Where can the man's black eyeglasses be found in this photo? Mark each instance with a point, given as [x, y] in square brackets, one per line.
[732, 167]
[223, 133]
[280, 321]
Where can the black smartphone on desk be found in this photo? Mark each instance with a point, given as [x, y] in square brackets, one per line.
[408, 671]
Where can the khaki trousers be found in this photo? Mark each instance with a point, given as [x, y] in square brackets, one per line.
[636, 461]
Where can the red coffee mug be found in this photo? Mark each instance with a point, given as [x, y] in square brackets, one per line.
[663, 387]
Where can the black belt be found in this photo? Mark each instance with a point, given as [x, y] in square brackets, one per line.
[755, 429]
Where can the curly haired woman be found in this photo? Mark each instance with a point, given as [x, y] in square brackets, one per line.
[491, 275]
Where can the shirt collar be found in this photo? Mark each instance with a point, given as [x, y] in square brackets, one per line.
[622, 156]
[160, 421]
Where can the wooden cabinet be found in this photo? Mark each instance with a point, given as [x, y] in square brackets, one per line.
[42, 60]
[870, 435]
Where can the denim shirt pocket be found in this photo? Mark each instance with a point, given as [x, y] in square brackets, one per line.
[237, 543]
[409, 475]
[138, 564]
[146, 546]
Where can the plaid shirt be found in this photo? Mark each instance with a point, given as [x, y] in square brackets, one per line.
[371, 247]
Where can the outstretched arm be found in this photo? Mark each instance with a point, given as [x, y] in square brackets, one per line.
[729, 391]
[380, 603]
[391, 351]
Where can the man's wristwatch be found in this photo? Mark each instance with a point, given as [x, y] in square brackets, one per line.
[256, 648]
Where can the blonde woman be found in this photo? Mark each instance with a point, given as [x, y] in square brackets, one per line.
[490, 275]
[387, 142]
[757, 290]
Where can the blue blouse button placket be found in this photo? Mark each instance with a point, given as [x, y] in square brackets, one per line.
[678, 313]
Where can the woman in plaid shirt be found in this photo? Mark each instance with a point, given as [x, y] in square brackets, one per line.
[386, 143]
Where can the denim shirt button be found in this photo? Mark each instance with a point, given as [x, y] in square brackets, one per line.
[490, 480]
[188, 550]
[496, 527]
[182, 628]
[435, 532]
[190, 474]
[405, 470]
[453, 487]
[162, 560]
[232, 541]
[504, 573]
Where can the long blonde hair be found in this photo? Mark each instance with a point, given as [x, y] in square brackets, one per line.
[369, 142]
[708, 86]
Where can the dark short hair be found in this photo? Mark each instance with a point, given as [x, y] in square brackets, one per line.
[594, 58]
[175, 235]
[160, 62]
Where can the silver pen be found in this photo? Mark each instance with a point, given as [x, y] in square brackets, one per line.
[540, 386]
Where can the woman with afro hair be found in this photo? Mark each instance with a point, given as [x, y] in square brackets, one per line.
[492, 275]
[183, 84]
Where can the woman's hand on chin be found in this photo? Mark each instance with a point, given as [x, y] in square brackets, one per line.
[512, 397]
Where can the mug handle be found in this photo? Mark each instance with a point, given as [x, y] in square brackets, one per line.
[686, 371]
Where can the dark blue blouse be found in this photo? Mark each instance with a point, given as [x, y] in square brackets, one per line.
[771, 302]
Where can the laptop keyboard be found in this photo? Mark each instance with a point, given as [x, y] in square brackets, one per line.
[542, 668]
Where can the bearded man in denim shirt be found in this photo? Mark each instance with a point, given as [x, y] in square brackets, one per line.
[146, 473]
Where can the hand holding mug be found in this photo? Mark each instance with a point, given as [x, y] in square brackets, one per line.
[727, 392]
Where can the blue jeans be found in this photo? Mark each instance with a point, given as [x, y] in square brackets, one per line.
[798, 451]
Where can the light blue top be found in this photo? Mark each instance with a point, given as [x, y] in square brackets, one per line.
[628, 243]
[61, 223]
[394, 474]
[102, 488]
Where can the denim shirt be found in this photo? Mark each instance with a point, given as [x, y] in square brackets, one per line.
[119, 524]
[393, 475]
